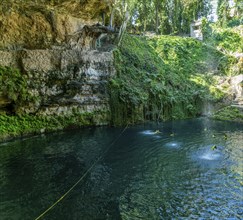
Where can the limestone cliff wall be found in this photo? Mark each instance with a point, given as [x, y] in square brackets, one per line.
[62, 81]
[40, 24]
[58, 49]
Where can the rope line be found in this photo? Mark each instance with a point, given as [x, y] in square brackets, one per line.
[82, 177]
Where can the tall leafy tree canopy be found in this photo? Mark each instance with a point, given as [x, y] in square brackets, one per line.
[169, 16]
[161, 16]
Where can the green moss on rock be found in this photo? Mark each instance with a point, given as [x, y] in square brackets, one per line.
[15, 126]
[229, 113]
[13, 85]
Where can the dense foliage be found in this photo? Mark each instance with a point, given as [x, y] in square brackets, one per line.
[171, 17]
[163, 17]
[229, 113]
[16, 125]
[163, 78]
[12, 84]
[158, 78]
[167, 16]
[228, 40]
[230, 12]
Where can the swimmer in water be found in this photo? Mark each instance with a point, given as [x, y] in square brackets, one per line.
[157, 132]
[225, 136]
[214, 147]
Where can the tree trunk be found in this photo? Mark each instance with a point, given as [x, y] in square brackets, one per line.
[156, 18]
[103, 18]
[112, 17]
[123, 28]
[145, 25]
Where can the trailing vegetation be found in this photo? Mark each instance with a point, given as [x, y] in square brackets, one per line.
[163, 78]
[14, 89]
[229, 113]
[13, 85]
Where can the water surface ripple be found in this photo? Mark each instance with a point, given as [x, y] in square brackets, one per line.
[190, 169]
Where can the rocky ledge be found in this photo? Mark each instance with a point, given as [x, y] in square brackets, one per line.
[63, 79]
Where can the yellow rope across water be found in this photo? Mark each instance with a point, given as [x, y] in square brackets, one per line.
[81, 178]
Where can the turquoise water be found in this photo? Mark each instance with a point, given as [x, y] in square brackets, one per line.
[173, 174]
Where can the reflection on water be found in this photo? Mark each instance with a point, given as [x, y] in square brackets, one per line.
[148, 132]
[144, 175]
[211, 154]
[173, 145]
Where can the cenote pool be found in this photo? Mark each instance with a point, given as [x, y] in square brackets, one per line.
[174, 174]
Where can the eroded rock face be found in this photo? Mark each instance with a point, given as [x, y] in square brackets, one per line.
[41, 24]
[237, 89]
[67, 79]
[63, 81]
[54, 45]
[8, 58]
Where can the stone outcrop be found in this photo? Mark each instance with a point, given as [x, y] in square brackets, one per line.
[67, 79]
[62, 51]
[237, 90]
[41, 24]
[63, 81]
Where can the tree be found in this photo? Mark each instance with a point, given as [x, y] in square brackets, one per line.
[143, 14]
[223, 11]
[157, 7]
[238, 8]
[161, 16]
[126, 8]
[112, 6]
